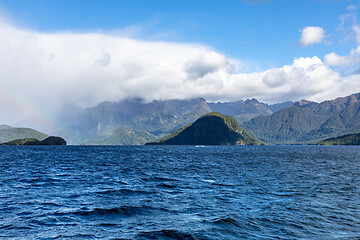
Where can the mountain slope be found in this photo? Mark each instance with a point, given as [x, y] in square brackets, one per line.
[350, 139]
[308, 122]
[243, 111]
[211, 129]
[124, 136]
[8, 133]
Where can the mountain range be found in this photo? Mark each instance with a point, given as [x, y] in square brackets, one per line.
[308, 122]
[133, 121]
[136, 122]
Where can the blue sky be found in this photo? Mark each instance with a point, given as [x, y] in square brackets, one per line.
[82, 52]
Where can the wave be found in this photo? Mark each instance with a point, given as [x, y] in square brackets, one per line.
[208, 180]
[164, 185]
[166, 234]
[41, 182]
[160, 179]
[76, 236]
[225, 221]
[125, 211]
[51, 204]
[121, 192]
[222, 184]
[107, 225]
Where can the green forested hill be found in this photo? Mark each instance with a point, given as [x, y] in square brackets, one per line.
[52, 140]
[8, 133]
[211, 129]
[350, 139]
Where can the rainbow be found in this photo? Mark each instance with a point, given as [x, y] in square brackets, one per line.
[29, 107]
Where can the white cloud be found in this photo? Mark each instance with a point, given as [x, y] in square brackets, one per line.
[351, 8]
[104, 60]
[356, 29]
[311, 35]
[349, 29]
[306, 78]
[333, 59]
[208, 62]
[46, 71]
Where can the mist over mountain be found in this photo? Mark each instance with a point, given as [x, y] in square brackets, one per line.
[134, 121]
[101, 123]
[122, 136]
[308, 122]
[252, 106]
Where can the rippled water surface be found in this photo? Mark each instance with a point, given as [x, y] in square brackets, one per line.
[180, 192]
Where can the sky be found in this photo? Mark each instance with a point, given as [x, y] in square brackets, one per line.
[82, 52]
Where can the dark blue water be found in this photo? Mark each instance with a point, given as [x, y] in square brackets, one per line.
[180, 192]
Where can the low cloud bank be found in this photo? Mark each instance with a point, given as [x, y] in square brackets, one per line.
[47, 71]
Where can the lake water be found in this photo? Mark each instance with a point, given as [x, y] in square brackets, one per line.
[180, 192]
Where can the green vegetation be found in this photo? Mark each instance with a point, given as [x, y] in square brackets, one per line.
[308, 122]
[8, 133]
[23, 141]
[349, 139]
[210, 129]
[33, 141]
[124, 136]
[51, 141]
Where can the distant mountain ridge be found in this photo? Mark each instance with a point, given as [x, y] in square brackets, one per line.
[8, 133]
[252, 106]
[156, 118]
[308, 122]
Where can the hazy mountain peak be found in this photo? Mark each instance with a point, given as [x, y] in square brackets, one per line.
[253, 101]
[304, 103]
[348, 100]
[3, 126]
